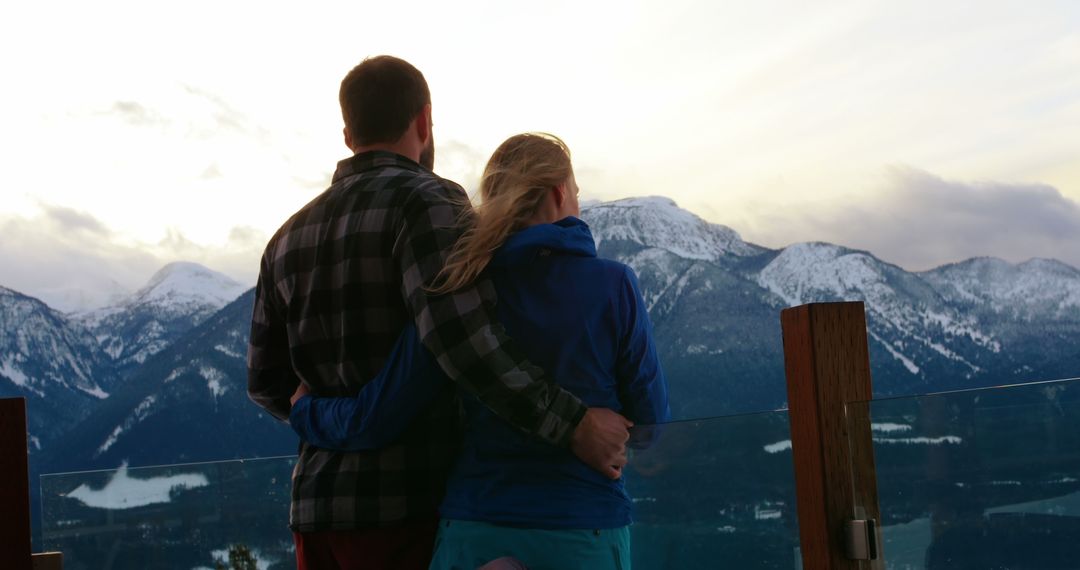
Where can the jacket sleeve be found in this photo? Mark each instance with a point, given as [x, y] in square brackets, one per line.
[407, 383]
[461, 328]
[642, 385]
[271, 381]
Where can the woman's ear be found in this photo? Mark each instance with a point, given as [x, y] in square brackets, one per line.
[559, 193]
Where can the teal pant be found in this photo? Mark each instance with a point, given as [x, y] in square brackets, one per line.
[467, 545]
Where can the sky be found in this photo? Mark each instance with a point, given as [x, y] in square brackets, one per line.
[138, 133]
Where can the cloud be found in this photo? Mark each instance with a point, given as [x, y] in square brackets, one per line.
[317, 182]
[137, 114]
[919, 220]
[70, 220]
[459, 162]
[247, 236]
[211, 172]
[68, 259]
[73, 261]
[226, 115]
[189, 111]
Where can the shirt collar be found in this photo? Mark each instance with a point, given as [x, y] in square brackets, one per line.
[371, 160]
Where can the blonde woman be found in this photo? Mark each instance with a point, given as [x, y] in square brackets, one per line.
[579, 317]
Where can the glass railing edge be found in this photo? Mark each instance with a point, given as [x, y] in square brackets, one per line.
[168, 465]
[966, 390]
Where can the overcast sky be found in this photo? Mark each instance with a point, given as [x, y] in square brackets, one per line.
[139, 133]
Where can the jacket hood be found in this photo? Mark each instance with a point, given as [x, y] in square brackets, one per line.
[568, 236]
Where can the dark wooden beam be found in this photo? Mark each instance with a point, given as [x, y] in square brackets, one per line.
[828, 366]
[14, 486]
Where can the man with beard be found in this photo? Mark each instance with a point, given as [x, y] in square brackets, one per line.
[337, 284]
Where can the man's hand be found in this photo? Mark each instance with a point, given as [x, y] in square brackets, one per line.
[302, 391]
[600, 441]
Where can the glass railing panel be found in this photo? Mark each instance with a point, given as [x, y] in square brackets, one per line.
[986, 478]
[704, 492]
[179, 516]
[716, 493]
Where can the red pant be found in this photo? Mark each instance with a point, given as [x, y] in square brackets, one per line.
[406, 547]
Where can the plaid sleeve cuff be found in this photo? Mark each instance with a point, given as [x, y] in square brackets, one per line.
[558, 428]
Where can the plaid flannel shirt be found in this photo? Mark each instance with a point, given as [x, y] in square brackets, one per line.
[336, 285]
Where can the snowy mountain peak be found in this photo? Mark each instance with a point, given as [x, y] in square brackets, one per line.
[656, 221]
[905, 315]
[184, 280]
[1049, 266]
[179, 296]
[1035, 289]
[806, 271]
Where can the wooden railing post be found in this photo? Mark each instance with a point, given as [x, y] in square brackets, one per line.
[828, 365]
[14, 485]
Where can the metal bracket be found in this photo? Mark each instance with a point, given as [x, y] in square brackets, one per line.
[860, 537]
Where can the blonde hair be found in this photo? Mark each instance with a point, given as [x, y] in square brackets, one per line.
[516, 179]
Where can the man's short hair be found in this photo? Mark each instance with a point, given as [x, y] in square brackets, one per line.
[380, 98]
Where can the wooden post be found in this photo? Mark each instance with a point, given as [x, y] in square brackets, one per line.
[14, 485]
[828, 365]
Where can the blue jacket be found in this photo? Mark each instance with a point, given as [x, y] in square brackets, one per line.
[579, 317]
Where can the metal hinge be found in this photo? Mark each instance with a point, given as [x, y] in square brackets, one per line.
[861, 539]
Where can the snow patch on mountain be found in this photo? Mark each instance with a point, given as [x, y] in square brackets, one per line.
[890, 427]
[8, 370]
[922, 440]
[94, 391]
[659, 222]
[955, 327]
[228, 351]
[661, 266]
[140, 413]
[783, 445]
[907, 362]
[123, 491]
[215, 380]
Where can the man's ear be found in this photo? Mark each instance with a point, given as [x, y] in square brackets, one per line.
[422, 123]
[348, 137]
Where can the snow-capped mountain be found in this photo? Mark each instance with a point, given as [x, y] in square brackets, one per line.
[52, 362]
[186, 403]
[1033, 308]
[904, 313]
[714, 300]
[1035, 289]
[656, 221]
[178, 297]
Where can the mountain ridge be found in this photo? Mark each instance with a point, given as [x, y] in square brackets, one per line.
[52, 362]
[714, 300]
[176, 298]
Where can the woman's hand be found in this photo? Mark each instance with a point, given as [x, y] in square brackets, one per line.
[300, 392]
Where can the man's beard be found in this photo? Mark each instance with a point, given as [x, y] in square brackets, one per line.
[427, 156]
